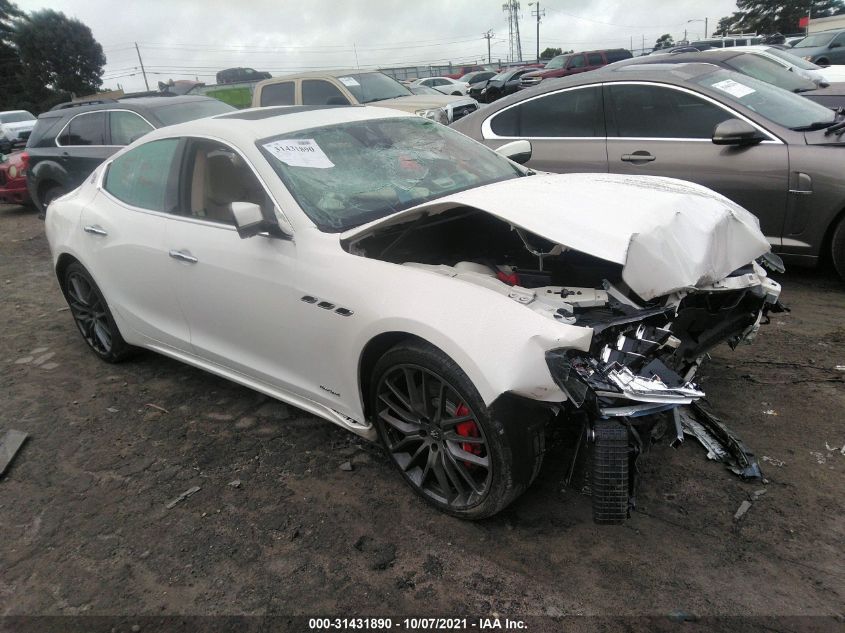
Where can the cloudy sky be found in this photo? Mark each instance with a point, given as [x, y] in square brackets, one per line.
[195, 38]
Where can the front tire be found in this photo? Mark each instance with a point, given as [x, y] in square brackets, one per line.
[837, 248]
[92, 315]
[455, 452]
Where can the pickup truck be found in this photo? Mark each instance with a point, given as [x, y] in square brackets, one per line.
[357, 87]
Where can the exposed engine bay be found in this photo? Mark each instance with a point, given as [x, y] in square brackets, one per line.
[644, 354]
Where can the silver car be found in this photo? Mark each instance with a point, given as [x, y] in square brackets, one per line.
[777, 154]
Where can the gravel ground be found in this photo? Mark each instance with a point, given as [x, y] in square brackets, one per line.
[278, 527]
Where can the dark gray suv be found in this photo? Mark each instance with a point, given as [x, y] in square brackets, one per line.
[823, 48]
[779, 155]
[71, 140]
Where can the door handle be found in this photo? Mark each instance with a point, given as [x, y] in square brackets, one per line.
[638, 157]
[95, 229]
[184, 256]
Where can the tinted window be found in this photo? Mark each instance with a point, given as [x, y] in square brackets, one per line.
[190, 110]
[569, 113]
[141, 176]
[769, 71]
[615, 56]
[219, 177]
[817, 39]
[577, 62]
[126, 127]
[369, 87]
[85, 129]
[594, 59]
[656, 112]
[278, 94]
[557, 62]
[319, 92]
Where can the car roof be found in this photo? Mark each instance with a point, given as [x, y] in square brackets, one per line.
[253, 124]
[339, 72]
[126, 103]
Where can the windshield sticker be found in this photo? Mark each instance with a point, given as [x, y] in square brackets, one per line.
[348, 81]
[299, 152]
[734, 88]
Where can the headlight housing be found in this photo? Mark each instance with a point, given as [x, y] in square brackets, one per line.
[13, 171]
[435, 114]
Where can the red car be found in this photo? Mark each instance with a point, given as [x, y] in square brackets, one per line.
[13, 179]
[572, 63]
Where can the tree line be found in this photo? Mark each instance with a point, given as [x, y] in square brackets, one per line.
[45, 58]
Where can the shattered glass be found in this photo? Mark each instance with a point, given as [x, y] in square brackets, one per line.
[383, 166]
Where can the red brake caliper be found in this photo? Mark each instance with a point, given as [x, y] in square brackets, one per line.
[467, 429]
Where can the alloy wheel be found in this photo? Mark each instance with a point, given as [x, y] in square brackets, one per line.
[433, 436]
[90, 313]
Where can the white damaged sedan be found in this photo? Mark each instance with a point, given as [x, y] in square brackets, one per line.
[396, 278]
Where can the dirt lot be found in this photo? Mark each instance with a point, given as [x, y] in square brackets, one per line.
[85, 529]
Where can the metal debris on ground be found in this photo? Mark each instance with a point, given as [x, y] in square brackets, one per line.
[155, 406]
[758, 493]
[720, 443]
[183, 496]
[235, 483]
[840, 368]
[773, 461]
[744, 507]
[347, 466]
[112, 409]
[10, 443]
[770, 412]
[835, 449]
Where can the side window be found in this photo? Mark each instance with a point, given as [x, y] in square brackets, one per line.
[278, 94]
[218, 177]
[126, 127]
[319, 92]
[615, 56]
[575, 113]
[839, 39]
[594, 59]
[577, 61]
[144, 177]
[85, 129]
[657, 112]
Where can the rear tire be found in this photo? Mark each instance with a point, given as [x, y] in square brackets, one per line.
[50, 193]
[92, 315]
[472, 469]
[610, 473]
[837, 248]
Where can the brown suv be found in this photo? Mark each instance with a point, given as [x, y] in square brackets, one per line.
[573, 63]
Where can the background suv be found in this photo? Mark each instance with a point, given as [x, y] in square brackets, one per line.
[71, 140]
[573, 63]
[823, 48]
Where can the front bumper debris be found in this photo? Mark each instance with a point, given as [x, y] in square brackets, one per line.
[721, 444]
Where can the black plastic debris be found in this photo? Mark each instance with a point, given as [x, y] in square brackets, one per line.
[721, 444]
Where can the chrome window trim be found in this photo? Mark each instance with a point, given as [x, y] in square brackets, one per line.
[488, 135]
[107, 165]
[59, 135]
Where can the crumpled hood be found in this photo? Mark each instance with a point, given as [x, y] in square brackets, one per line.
[667, 234]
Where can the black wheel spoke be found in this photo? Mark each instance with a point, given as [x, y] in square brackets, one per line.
[464, 474]
[454, 478]
[451, 436]
[90, 312]
[418, 412]
[400, 425]
[466, 456]
[406, 414]
[415, 456]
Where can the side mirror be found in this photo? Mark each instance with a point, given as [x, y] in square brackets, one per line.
[517, 151]
[737, 132]
[250, 220]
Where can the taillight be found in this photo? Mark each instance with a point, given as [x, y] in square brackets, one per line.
[24, 158]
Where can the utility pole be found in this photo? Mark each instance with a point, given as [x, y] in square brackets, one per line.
[488, 36]
[144, 72]
[538, 13]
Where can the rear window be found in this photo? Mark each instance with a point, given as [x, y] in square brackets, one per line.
[188, 111]
[281, 93]
[616, 56]
[85, 129]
